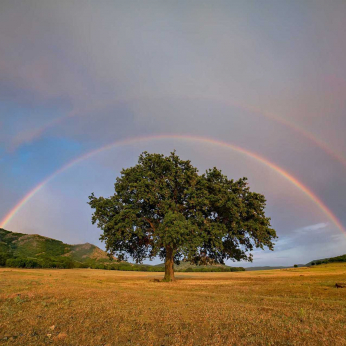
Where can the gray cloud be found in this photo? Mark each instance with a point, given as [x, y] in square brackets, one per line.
[312, 228]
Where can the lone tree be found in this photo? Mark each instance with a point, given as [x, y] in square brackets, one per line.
[163, 207]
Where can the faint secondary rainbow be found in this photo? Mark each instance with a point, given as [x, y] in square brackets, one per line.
[229, 103]
[212, 141]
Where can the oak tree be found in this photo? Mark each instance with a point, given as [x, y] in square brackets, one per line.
[163, 207]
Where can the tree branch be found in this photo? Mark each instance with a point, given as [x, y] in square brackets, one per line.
[150, 223]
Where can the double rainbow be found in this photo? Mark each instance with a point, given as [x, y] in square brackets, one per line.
[243, 151]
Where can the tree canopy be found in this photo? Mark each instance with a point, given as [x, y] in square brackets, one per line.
[163, 207]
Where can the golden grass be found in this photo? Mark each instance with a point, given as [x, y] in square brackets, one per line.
[96, 307]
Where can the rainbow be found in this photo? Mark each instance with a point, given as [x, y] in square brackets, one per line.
[304, 133]
[212, 141]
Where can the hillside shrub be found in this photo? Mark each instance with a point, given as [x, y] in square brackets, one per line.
[4, 256]
[15, 263]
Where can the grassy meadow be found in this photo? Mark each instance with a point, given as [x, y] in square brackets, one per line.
[297, 306]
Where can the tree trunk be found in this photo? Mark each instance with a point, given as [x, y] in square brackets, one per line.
[169, 268]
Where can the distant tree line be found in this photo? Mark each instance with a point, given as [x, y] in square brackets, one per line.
[62, 262]
[8, 260]
[211, 269]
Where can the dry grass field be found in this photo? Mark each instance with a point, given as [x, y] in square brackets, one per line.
[96, 307]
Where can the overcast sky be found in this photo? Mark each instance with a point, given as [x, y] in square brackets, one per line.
[266, 76]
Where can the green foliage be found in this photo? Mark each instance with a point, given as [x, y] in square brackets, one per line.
[15, 263]
[295, 266]
[134, 267]
[57, 262]
[163, 204]
[4, 256]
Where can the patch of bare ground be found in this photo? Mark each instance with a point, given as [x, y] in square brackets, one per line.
[98, 307]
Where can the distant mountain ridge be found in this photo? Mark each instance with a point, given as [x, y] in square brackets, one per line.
[37, 246]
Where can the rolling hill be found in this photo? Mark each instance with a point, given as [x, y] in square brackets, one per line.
[34, 246]
[341, 258]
